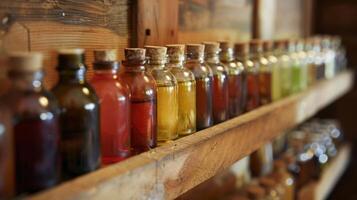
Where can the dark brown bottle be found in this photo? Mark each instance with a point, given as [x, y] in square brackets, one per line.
[143, 95]
[35, 124]
[235, 79]
[79, 116]
[204, 85]
[220, 83]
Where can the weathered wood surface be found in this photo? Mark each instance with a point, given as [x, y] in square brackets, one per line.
[322, 188]
[168, 171]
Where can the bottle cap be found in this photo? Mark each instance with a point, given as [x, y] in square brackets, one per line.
[280, 44]
[70, 58]
[241, 48]
[211, 47]
[256, 46]
[195, 51]
[175, 51]
[155, 52]
[24, 61]
[134, 54]
[105, 59]
[225, 45]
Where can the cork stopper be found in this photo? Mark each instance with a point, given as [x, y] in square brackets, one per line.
[211, 47]
[134, 54]
[225, 45]
[195, 51]
[105, 55]
[24, 61]
[70, 58]
[256, 46]
[255, 192]
[175, 51]
[241, 48]
[155, 52]
[267, 45]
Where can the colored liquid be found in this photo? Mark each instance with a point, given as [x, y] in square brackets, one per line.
[204, 103]
[276, 91]
[252, 91]
[265, 89]
[114, 118]
[143, 125]
[285, 78]
[235, 94]
[312, 71]
[186, 108]
[296, 78]
[7, 174]
[320, 74]
[167, 113]
[37, 152]
[220, 98]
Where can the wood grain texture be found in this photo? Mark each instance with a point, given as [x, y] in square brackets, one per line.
[330, 176]
[171, 170]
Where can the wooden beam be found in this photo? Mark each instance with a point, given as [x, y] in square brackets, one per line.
[169, 171]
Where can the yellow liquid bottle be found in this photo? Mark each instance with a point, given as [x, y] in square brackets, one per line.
[275, 70]
[167, 105]
[186, 90]
[284, 67]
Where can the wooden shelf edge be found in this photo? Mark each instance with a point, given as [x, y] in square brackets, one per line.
[320, 189]
[170, 170]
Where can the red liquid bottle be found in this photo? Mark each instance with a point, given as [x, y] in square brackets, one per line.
[114, 103]
[220, 83]
[235, 79]
[204, 85]
[35, 124]
[265, 72]
[143, 94]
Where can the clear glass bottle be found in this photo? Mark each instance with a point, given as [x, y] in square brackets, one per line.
[284, 63]
[265, 71]
[319, 58]
[302, 56]
[251, 76]
[35, 124]
[310, 61]
[220, 82]
[167, 94]
[329, 57]
[186, 89]
[241, 54]
[296, 67]
[274, 68]
[7, 167]
[79, 118]
[143, 95]
[114, 103]
[235, 79]
[204, 85]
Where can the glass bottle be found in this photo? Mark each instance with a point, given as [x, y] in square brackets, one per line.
[114, 102]
[79, 117]
[296, 69]
[281, 47]
[252, 76]
[220, 82]
[319, 58]
[186, 89]
[265, 71]
[35, 124]
[204, 85]
[143, 95]
[235, 79]
[7, 167]
[310, 60]
[274, 67]
[330, 57]
[167, 97]
[302, 56]
[285, 179]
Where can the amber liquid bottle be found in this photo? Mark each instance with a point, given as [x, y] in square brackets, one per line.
[114, 107]
[284, 63]
[79, 117]
[167, 105]
[186, 90]
[235, 79]
[220, 83]
[35, 124]
[7, 168]
[204, 85]
[143, 95]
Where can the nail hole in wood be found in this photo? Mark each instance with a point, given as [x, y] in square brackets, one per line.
[147, 32]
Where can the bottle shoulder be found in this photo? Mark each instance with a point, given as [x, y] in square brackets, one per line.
[218, 68]
[141, 85]
[182, 74]
[200, 70]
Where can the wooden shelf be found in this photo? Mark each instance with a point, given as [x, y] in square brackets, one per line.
[322, 188]
[170, 170]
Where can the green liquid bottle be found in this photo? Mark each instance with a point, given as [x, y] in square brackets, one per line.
[275, 70]
[296, 68]
[284, 67]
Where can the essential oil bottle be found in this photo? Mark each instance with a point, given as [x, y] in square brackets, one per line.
[35, 124]
[167, 105]
[264, 76]
[204, 85]
[143, 95]
[241, 54]
[220, 82]
[235, 79]
[79, 117]
[114, 102]
[186, 89]
[274, 68]
[296, 67]
[284, 63]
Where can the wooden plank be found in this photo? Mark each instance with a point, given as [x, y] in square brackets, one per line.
[170, 170]
[332, 173]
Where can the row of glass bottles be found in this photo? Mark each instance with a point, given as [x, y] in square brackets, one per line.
[129, 112]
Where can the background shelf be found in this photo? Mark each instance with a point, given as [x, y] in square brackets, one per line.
[170, 170]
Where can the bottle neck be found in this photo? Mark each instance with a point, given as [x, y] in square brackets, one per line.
[226, 56]
[72, 75]
[256, 55]
[106, 73]
[177, 61]
[26, 81]
[212, 58]
[156, 63]
[242, 57]
[193, 59]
